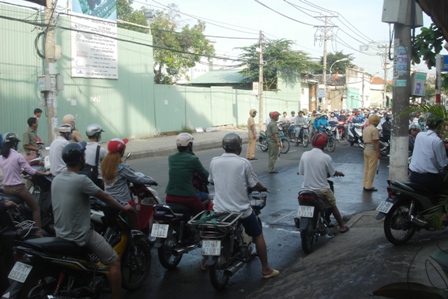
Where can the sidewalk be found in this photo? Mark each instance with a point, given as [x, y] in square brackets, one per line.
[166, 145]
[355, 264]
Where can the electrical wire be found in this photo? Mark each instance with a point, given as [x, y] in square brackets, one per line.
[283, 15]
[209, 22]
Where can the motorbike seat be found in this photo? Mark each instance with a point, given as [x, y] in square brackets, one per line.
[178, 208]
[9, 197]
[53, 245]
[419, 188]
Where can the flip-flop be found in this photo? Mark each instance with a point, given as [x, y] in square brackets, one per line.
[273, 274]
[344, 231]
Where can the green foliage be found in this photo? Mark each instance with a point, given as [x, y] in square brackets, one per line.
[340, 67]
[427, 45]
[170, 65]
[172, 41]
[279, 59]
[438, 110]
[126, 13]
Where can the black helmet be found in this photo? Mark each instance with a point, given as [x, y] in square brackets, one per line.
[11, 138]
[73, 152]
[232, 141]
[412, 114]
[433, 121]
[389, 117]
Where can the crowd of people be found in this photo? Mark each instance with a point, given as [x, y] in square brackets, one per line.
[83, 169]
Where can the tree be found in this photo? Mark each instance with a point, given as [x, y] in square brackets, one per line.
[126, 13]
[339, 67]
[176, 48]
[176, 51]
[426, 46]
[279, 59]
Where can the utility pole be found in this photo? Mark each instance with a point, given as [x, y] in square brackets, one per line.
[260, 83]
[386, 48]
[324, 38]
[401, 92]
[50, 71]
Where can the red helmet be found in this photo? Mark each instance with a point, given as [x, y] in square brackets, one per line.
[319, 140]
[274, 114]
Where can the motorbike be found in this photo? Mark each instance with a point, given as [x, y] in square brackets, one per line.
[304, 136]
[56, 268]
[406, 210]
[173, 235]
[284, 142]
[341, 129]
[357, 138]
[384, 145]
[330, 145]
[40, 188]
[334, 129]
[224, 243]
[10, 231]
[313, 219]
[143, 200]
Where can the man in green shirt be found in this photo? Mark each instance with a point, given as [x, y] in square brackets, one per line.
[273, 141]
[29, 137]
[182, 167]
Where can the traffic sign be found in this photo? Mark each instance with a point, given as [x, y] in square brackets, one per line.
[445, 63]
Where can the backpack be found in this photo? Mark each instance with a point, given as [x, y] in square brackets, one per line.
[91, 171]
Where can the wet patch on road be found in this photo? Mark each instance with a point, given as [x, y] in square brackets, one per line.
[283, 218]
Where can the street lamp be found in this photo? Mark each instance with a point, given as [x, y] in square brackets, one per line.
[339, 60]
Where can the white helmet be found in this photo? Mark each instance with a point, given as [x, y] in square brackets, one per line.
[184, 139]
[65, 128]
[93, 129]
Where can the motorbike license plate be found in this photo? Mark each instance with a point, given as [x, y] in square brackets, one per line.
[20, 272]
[159, 230]
[384, 207]
[305, 211]
[211, 247]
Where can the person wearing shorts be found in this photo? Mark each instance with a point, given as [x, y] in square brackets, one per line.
[317, 166]
[71, 193]
[232, 175]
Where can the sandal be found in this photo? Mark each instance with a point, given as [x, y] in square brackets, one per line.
[274, 273]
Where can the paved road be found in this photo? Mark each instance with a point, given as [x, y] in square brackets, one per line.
[282, 238]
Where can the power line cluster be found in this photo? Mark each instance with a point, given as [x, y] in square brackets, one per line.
[305, 7]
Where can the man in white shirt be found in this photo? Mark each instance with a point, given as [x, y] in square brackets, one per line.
[93, 132]
[316, 166]
[429, 160]
[57, 165]
[232, 176]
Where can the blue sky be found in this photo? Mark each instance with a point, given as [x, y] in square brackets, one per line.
[358, 23]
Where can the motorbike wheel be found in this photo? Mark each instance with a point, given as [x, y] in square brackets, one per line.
[397, 228]
[306, 140]
[39, 284]
[135, 265]
[284, 146]
[218, 277]
[331, 145]
[263, 144]
[165, 252]
[307, 236]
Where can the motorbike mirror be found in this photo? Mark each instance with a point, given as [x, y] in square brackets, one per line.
[127, 156]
